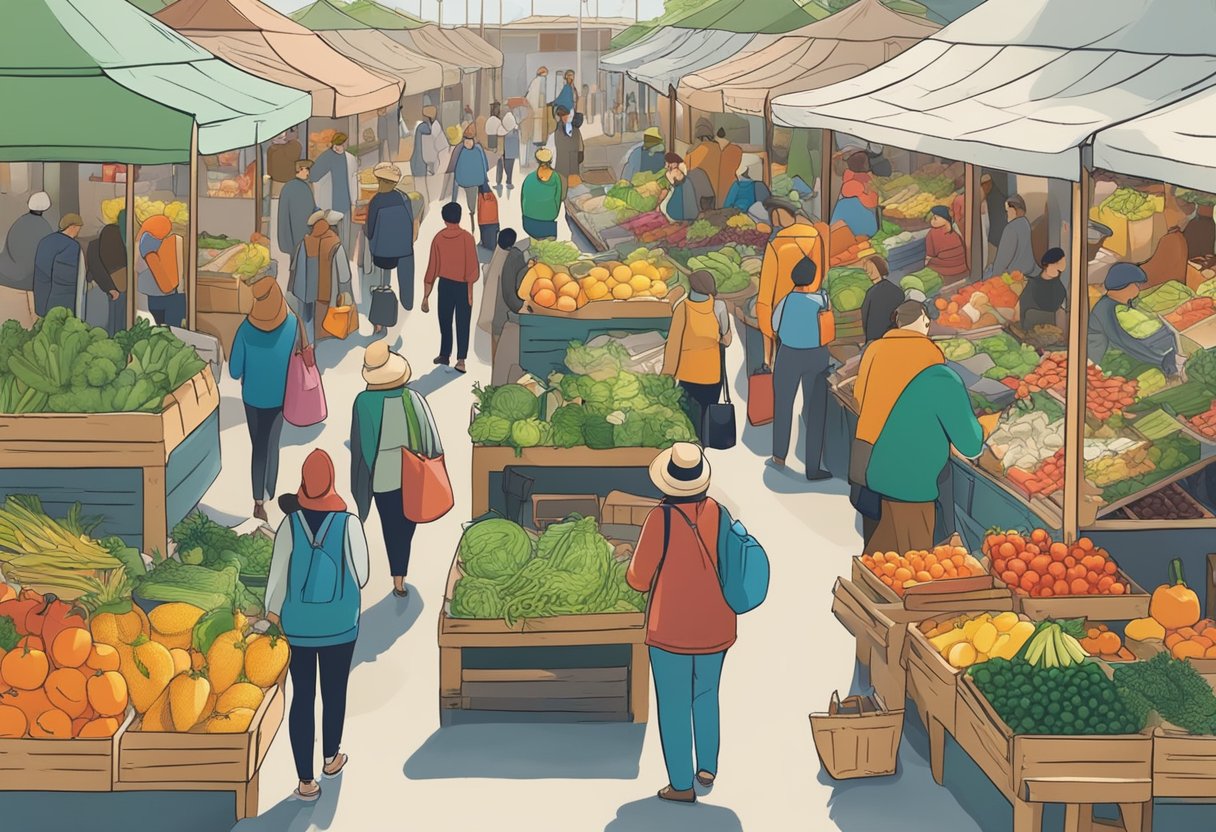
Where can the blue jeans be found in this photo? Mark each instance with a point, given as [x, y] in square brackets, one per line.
[686, 688]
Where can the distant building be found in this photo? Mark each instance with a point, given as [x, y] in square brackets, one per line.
[550, 40]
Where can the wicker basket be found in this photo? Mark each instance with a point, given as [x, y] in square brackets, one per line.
[857, 737]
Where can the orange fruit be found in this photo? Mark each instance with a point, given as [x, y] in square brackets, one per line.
[65, 688]
[566, 304]
[71, 647]
[545, 297]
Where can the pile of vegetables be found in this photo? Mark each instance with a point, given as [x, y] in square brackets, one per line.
[1010, 358]
[201, 540]
[1167, 455]
[1188, 399]
[63, 365]
[1191, 312]
[701, 230]
[1135, 323]
[1164, 298]
[1171, 688]
[554, 253]
[926, 281]
[1132, 204]
[727, 267]
[569, 570]
[847, 287]
[1024, 438]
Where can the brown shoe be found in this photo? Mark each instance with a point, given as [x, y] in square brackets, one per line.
[705, 778]
[677, 796]
[259, 511]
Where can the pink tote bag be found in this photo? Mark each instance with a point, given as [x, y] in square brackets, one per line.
[304, 402]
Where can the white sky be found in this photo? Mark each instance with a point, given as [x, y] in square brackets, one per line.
[453, 10]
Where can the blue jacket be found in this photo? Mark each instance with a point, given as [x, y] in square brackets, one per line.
[565, 98]
[260, 360]
[470, 166]
[744, 193]
[390, 225]
[796, 319]
[56, 269]
[1105, 331]
[333, 163]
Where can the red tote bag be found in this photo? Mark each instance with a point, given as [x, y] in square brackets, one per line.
[426, 491]
[760, 398]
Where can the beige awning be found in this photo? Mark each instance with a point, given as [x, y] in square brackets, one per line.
[378, 52]
[458, 46]
[263, 42]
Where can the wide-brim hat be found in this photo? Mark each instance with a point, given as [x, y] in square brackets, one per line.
[387, 171]
[269, 306]
[317, 490]
[383, 368]
[330, 217]
[680, 471]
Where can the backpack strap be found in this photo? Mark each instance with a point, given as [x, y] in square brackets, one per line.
[654, 582]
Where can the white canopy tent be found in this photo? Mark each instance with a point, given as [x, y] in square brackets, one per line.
[1023, 85]
[652, 47]
[696, 51]
[1176, 144]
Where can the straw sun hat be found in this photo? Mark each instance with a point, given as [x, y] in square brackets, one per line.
[384, 369]
[680, 471]
[387, 171]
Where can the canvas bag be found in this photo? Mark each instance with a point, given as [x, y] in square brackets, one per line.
[165, 264]
[718, 419]
[384, 307]
[304, 399]
[342, 318]
[426, 491]
[487, 206]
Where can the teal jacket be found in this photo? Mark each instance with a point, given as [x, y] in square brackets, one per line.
[933, 413]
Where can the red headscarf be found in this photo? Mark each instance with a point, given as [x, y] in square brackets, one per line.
[317, 484]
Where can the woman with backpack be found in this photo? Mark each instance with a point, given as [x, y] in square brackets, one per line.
[312, 594]
[689, 624]
[700, 331]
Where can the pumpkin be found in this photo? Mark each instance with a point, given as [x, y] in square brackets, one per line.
[1175, 605]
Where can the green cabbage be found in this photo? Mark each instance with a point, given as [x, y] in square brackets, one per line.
[488, 429]
[474, 597]
[567, 424]
[494, 549]
[1135, 323]
[513, 402]
[598, 432]
[528, 433]
[599, 363]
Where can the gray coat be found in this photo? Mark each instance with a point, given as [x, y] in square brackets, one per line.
[296, 205]
[306, 276]
[20, 246]
[568, 149]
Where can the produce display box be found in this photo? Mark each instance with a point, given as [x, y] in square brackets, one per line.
[946, 597]
[223, 293]
[611, 310]
[1184, 765]
[1078, 771]
[1178, 493]
[77, 765]
[1132, 604]
[177, 762]
[492, 459]
[880, 629]
[578, 667]
[142, 471]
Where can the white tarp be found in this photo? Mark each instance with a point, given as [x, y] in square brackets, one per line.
[700, 49]
[1023, 85]
[1176, 145]
[653, 46]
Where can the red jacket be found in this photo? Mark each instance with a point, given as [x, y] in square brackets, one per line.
[453, 256]
[688, 613]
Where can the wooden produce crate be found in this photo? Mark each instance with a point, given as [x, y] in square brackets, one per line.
[944, 597]
[932, 687]
[182, 762]
[578, 667]
[1132, 604]
[40, 765]
[143, 472]
[880, 629]
[1078, 771]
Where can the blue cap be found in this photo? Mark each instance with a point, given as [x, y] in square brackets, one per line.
[1122, 275]
[941, 211]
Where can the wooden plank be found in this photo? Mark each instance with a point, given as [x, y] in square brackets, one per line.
[577, 675]
[156, 522]
[1184, 766]
[532, 639]
[825, 174]
[1133, 604]
[77, 765]
[980, 733]
[639, 683]
[545, 690]
[628, 623]
[1078, 788]
[450, 674]
[1078, 327]
[973, 199]
[933, 681]
[548, 705]
[192, 231]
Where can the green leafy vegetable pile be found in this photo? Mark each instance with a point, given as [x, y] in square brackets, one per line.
[202, 541]
[554, 252]
[1172, 688]
[207, 589]
[568, 570]
[63, 365]
[1010, 357]
[926, 280]
[726, 265]
[1130, 203]
[847, 288]
[701, 229]
[1135, 323]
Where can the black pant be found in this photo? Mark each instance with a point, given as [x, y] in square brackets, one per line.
[508, 165]
[808, 369]
[454, 304]
[167, 310]
[398, 531]
[700, 396]
[334, 662]
[265, 427]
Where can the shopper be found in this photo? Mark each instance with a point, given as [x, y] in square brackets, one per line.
[389, 416]
[17, 261]
[794, 239]
[503, 131]
[318, 566]
[336, 176]
[913, 409]
[320, 271]
[261, 351]
[453, 263]
[59, 268]
[689, 626]
[801, 362]
[469, 167]
[390, 233]
[882, 299]
[158, 273]
[106, 268]
[540, 199]
[537, 96]
[700, 331]
[567, 96]
[568, 145]
[944, 249]
[425, 154]
[296, 205]
[505, 340]
[1015, 252]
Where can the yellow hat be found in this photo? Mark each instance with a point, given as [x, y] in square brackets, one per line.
[544, 155]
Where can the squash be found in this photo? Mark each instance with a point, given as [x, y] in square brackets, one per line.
[1175, 605]
[1145, 629]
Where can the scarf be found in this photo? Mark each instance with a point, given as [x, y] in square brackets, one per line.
[888, 366]
[320, 243]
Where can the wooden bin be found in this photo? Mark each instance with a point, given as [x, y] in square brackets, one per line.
[40, 765]
[1132, 604]
[544, 666]
[143, 472]
[180, 762]
[880, 629]
[1077, 771]
[932, 687]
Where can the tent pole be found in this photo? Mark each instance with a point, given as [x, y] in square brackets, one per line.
[973, 198]
[192, 231]
[1078, 326]
[671, 114]
[132, 248]
[825, 174]
[768, 143]
[258, 189]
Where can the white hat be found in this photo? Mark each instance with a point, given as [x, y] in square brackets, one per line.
[387, 171]
[40, 201]
[330, 217]
[680, 471]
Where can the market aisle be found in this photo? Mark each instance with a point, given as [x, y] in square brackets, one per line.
[791, 654]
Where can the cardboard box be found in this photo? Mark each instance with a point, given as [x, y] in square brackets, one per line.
[621, 509]
[224, 293]
[548, 509]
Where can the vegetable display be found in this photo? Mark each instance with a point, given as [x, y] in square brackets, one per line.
[554, 253]
[63, 365]
[727, 267]
[202, 541]
[917, 567]
[1132, 204]
[1037, 566]
[1010, 358]
[968, 641]
[1167, 297]
[568, 570]
[1173, 689]
[926, 281]
[1168, 503]
[976, 304]
[847, 287]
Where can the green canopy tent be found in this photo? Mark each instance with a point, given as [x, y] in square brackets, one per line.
[380, 16]
[98, 81]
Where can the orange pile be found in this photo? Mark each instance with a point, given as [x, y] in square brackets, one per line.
[1197, 642]
[1035, 565]
[1205, 422]
[1101, 642]
[917, 567]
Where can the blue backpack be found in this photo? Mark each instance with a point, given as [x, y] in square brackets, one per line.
[743, 569]
[322, 603]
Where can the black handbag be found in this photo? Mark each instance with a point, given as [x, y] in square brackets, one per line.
[384, 307]
[718, 419]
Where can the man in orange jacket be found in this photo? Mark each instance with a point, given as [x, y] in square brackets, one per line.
[796, 238]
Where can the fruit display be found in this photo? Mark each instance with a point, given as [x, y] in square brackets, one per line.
[1167, 297]
[515, 575]
[1036, 565]
[977, 304]
[918, 567]
[910, 196]
[1191, 312]
[846, 288]
[1054, 645]
[916, 206]
[1103, 643]
[1171, 688]
[731, 272]
[558, 289]
[968, 641]
[175, 210]
[1168, 503]
[63, 365]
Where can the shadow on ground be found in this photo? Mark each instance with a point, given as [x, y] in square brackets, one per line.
[653, 814]
[385, 622]
[118, 811]
[290, 815]
[438, 377]
[529, 752]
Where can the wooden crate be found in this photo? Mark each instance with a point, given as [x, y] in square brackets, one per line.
[141, 471]
[1078, 771]
[880, 629]
[1132, 604]
[932, 687]
[167, 761]
[533, 671]
[40, 765]
[943, 597]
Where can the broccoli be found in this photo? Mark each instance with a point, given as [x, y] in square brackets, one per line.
[1172, 688]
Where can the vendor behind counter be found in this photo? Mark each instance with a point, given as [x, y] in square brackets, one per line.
[1111, 316]
[1044, 295]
